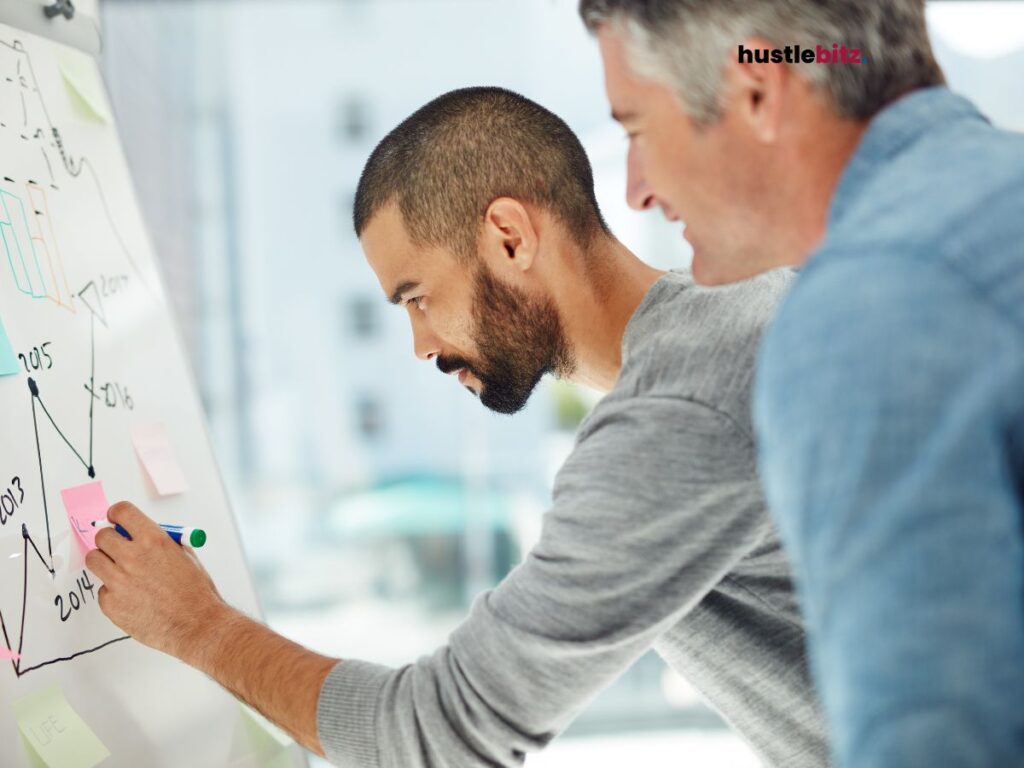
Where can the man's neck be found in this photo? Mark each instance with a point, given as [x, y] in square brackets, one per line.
[817, 166]
[597, 295]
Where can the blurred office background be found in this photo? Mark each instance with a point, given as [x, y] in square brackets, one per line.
[376, 496]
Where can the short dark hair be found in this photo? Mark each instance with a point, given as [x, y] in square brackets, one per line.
[451, 158]
[685, 44]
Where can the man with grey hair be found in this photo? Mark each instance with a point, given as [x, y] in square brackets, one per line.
[890, 393]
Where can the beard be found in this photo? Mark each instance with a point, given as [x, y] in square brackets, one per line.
[520, 338]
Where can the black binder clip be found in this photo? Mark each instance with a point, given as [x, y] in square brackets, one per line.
[63, 8]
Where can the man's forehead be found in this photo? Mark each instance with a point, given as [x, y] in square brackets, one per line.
[399, 263]
[389, 250]
[622, 85]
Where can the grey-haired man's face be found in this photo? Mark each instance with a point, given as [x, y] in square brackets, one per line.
[700, 174]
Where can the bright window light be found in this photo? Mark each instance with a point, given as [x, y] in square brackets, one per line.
[984, 30]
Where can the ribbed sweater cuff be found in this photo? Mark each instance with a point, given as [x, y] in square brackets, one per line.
[346, 717]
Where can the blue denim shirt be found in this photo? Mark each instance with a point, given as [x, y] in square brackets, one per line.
[889, 406]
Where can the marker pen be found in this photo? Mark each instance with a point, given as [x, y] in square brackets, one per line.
[194, 537]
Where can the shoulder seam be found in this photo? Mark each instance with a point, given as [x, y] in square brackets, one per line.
[717, 412]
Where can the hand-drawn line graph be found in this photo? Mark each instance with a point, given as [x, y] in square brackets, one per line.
[95, 307]
[91, 298]
[18, 669]
[28, 237]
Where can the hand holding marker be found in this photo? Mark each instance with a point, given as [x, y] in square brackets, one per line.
[194, 537]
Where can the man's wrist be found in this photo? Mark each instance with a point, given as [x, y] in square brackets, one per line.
[211, 628]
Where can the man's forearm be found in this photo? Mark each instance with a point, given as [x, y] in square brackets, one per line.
[278, 677]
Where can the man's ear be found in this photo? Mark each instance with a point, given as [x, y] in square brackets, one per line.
[755, 93]
[509, 239]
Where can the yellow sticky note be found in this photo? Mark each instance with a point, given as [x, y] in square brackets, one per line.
[85, 86]
[55, 733]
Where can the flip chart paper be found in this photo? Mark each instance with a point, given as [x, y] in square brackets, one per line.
[55, 733]
[84, 504]
[8, 360]
[154, 449]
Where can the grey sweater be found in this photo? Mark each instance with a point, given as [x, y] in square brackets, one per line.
[658, 537]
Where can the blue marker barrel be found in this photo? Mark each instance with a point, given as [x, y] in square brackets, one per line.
[194, 537]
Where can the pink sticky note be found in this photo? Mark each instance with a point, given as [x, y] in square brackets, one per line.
[156, 453]
[84, 504]
[6, 655]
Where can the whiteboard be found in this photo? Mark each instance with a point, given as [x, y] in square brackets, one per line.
[83, 305]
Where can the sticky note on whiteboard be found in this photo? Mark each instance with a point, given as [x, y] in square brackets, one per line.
[8, 360]
[85, 87]
[84, 504]
[264, 730]
[55, 733]
[153, 446]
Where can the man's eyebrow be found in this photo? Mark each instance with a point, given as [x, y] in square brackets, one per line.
[403, 288]
[622, 117]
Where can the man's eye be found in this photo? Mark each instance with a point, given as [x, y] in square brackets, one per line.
[417, 301]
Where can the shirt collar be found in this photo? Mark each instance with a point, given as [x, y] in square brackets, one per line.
[890, 131]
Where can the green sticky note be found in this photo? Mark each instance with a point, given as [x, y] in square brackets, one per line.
[84, 84]
[8, 360]
[55, 733]
[265, 731]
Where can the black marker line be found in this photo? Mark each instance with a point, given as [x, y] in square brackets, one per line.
[92, 376]
[24, 594]
[99, 647]
[48, 166]
[7, 642]
[42, 478]
[99, 303]
[63, 437]
[26, 536]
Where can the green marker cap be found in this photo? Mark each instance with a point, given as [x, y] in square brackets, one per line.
[197, 537]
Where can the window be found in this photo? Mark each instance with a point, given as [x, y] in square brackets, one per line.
[362, 317]
[369, 417]
[352, 119]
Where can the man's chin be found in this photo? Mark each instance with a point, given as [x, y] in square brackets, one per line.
[504, 407]
[503, 401]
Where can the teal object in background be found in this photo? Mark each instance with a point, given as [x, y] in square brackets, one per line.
[418, 507]
[8, 360]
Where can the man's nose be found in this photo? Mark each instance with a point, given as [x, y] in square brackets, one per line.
[639, 195]
[425, 344]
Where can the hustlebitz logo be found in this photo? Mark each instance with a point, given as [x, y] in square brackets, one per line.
[795, 54]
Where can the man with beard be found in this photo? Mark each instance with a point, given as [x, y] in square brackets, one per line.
[478, 216]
